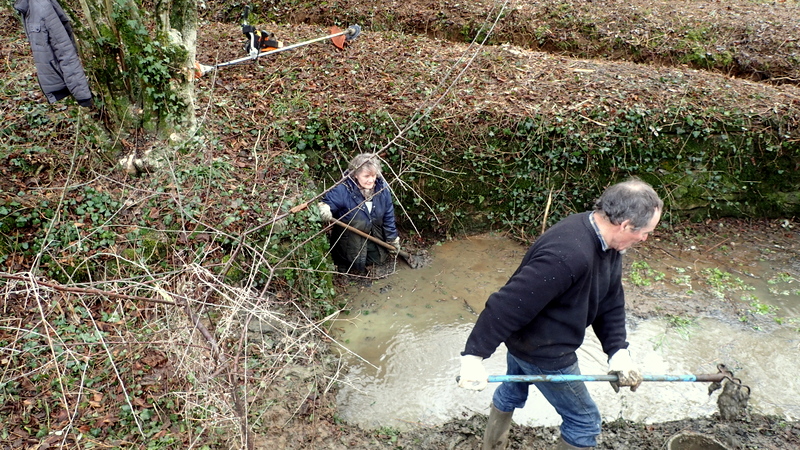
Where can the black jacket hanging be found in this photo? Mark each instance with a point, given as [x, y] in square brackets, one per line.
[55, 52]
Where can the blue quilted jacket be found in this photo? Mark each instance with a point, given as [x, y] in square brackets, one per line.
[55, 53]
[348, 205]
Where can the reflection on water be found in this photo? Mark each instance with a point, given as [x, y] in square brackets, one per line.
[411, 327]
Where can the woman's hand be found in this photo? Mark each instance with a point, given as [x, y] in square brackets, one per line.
[396, 244]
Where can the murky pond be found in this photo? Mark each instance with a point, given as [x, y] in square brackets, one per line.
[409, 328]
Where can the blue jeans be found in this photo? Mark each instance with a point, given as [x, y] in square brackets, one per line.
[580, 418]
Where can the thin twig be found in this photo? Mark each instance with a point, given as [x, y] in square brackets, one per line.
[547, 210]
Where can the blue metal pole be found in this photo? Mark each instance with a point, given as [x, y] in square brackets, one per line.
[566, 378]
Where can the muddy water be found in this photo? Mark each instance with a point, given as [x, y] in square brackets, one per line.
[409, 328]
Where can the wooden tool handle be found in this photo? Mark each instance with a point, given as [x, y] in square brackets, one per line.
[361, 233]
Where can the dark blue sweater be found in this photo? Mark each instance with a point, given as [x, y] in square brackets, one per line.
[565, 283]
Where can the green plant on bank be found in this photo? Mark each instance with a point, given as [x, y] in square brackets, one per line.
[26, 160]
[683, 279]
[698, 55]
[681, 325]
[782, 278]
[757, 307]
[762, 308]
[641, 274]
[542, 34]
[388, 434]
[721, 282]
[476, 32]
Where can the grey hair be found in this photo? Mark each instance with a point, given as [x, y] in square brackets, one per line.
[632, 200]
[364, 162]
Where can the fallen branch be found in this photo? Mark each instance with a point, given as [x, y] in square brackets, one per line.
[77, 290]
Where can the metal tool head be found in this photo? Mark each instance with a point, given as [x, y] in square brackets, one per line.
[338, 39]
[732, 401]
[726, 374]
[352, 32]
[341, 37]
[202, 69]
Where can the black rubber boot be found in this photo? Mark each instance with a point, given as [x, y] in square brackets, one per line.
[496, 435]
[564, 445]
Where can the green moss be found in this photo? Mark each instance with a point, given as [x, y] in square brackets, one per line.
[235, 273]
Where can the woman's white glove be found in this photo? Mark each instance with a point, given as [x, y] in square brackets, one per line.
[473, 375]
[325, 212]
[622, 365]
[396, 244]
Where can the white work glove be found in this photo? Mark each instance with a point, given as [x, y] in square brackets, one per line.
[396, 244]
[473, 375]
[325, 212]
[623, 366]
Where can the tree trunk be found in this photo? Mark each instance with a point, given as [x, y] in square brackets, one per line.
[139, 57]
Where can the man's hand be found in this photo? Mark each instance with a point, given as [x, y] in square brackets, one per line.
[473, 375]
[396, 244]
[325, 212]
[622, 365]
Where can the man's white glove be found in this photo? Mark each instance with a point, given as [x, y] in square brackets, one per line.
[623, 366]
[473, 375]
[396, 244]
[325, 212]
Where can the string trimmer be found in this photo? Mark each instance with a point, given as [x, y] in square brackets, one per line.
[262, 43]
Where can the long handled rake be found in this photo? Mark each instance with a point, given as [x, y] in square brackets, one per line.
[715, 378]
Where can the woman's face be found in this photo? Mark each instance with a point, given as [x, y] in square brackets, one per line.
[366, 179]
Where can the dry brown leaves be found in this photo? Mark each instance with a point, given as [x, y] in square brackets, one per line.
[400, 74]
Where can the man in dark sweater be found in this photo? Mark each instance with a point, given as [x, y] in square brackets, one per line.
[570, 279]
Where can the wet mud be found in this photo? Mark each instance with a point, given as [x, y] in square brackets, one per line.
[732, 402]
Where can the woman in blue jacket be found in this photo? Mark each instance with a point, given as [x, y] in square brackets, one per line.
[363, 201]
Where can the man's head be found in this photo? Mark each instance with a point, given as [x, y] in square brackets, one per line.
[632, 210]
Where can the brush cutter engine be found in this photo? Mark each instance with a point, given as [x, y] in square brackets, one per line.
[259, 40]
